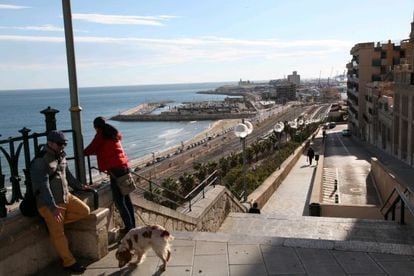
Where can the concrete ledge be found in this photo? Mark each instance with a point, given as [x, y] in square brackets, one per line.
[26, 240]
[89, 237]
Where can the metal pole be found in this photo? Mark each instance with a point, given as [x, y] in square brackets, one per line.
[244, 168]
[75, 108]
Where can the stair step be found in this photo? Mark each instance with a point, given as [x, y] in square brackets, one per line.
[319, 228]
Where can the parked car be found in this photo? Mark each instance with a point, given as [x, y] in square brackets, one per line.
[332, 124]
[346, 132]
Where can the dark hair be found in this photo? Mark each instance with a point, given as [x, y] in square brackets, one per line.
[255, 205]
[108, 131]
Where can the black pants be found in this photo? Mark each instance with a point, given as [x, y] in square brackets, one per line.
[122, 202]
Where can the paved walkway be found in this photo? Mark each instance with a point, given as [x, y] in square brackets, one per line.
[215, 254]
[292, 196]
[341, 249]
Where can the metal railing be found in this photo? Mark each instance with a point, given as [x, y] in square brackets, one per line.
[211, 180]
[14, 173]
[400, 200]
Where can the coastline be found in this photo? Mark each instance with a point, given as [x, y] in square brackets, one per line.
[217, 127]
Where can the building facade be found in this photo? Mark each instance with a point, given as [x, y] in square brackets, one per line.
[294, 78]
[380, 91]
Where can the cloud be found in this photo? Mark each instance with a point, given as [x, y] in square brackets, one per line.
[12, 7]
[122, 19]
[164, 52]
[43, 28]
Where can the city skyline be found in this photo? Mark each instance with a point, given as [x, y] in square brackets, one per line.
[129, 43]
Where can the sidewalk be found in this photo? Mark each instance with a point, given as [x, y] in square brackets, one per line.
[216, 254]
[337, 246]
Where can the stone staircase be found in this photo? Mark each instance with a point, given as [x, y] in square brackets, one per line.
[324, 232]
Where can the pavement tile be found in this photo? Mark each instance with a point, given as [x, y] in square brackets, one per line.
[281, 260]
[216, 265]
[248, 270]
[210, 248]
[182, 255]
[395, 268]
[378, 257]
[319, 262]
[244, 254]
[176, 271]
[357, 262]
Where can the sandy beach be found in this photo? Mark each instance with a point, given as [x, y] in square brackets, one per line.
[217, 127]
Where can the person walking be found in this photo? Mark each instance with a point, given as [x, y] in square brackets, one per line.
[254, 209]
[106, 145]
[310, 154]
[50, 178]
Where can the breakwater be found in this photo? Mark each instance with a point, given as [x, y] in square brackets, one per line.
[178, 117]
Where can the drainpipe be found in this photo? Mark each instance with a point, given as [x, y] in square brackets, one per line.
[75, 109]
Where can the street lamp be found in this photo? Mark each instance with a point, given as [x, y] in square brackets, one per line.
[278, 128]
[242, 130]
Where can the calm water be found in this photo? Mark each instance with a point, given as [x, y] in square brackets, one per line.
[21, 108]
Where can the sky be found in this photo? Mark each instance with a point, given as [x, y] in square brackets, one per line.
[131, 42]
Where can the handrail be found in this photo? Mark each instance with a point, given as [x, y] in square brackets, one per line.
[405, 202]
[201, 184]
[157, 185]
[163, 197]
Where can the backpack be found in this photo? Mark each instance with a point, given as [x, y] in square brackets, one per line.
[28, 206]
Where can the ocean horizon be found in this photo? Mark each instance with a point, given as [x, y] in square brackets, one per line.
[21, 108]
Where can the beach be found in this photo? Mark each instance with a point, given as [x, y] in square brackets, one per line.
[216, 128]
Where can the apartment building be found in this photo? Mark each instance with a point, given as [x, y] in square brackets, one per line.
[370, 62]
[380, 93]
[294, 78]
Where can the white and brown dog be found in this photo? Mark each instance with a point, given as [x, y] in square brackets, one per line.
[137, 242]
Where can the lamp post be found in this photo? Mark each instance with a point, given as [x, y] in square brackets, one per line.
[75, 109]
[242, 130]
[278, 128]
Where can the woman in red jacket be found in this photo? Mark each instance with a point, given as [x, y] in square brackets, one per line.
[106, 145]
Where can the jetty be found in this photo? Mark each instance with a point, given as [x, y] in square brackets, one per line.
[230, 108]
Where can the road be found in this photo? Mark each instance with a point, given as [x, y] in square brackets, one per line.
[349, 163]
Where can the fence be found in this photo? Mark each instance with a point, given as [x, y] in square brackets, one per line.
[26, 146]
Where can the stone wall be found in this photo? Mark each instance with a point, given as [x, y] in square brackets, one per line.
[207, 214]
[23, 238]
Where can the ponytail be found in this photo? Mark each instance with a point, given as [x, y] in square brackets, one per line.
[108, 131]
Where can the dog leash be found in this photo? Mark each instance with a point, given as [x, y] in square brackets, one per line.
[142, 220]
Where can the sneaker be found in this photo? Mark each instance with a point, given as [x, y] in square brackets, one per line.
[76, 267]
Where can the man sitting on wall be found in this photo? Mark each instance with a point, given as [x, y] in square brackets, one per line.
[50, 178]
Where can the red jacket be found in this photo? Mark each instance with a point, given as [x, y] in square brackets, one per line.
[109, 153]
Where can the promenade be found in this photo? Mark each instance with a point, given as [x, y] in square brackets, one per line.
[283, 240]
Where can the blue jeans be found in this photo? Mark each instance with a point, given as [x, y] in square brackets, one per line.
[122, 202]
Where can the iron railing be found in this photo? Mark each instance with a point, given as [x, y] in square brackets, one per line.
[400, 200]
[210, 180]
[26, 146]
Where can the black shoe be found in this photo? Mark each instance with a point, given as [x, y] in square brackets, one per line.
[76, 267]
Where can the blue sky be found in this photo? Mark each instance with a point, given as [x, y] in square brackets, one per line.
[128, 42]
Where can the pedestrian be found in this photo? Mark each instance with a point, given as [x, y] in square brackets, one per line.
[323, 135]
[254, 209]
[106, 145]
[310, 155]
[50, 179]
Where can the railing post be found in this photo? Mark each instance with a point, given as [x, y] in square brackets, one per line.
[3, 190]
[189, 204]
[402, 220]
[50, 118]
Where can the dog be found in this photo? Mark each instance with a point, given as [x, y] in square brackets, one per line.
[137, 242]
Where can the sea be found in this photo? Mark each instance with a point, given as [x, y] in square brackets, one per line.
[21, 108]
